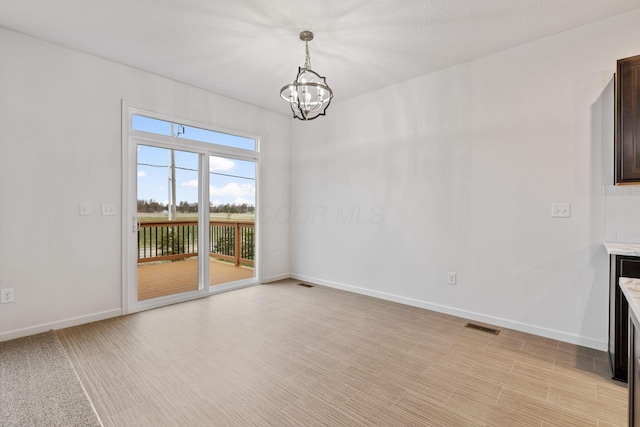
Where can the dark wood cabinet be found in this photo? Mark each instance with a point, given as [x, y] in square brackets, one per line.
[621, 266]
[627, 113]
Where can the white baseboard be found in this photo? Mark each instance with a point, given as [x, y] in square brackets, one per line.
[478, 317]
[60, 324]
[276, 278]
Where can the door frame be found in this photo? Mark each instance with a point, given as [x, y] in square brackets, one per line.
[130, 141]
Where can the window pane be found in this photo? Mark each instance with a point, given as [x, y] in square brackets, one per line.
[161, 127]
[167, 193]
[232, 201]
[232, 183]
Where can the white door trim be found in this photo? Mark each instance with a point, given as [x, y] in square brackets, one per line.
[130, 140]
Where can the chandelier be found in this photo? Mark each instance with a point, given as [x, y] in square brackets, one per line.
[309, 95]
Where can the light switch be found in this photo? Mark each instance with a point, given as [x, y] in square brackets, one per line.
[108, 209]
[561, 210]
[85, 208]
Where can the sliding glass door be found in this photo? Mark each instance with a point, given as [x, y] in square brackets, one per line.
[190, 227]
[167, 260]
[232, 216]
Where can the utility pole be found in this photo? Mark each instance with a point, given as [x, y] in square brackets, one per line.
[172, 176]
[172, 212]
[172, 182]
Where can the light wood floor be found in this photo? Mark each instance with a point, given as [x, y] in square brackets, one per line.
[160, 279]
[285, 355]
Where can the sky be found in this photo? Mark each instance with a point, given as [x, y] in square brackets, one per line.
[231, 180]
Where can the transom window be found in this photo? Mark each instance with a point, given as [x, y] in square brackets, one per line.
[162, 127]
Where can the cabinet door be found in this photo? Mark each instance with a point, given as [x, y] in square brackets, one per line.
[621, 266]
[627, 151]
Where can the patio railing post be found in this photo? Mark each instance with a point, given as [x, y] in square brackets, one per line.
[238, 244]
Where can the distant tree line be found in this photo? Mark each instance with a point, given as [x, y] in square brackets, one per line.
[151, 206]
[232, 208]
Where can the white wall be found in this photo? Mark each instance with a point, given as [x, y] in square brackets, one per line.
[60, 138]
[456, 171]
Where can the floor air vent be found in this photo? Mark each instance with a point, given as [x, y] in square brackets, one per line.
[482, 328]
[305, 285]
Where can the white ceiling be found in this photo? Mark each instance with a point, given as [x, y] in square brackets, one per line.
[249, 49]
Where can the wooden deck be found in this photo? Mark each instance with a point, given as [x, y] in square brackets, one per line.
[160, 279]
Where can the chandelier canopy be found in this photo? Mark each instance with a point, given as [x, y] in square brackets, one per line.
[309, 95]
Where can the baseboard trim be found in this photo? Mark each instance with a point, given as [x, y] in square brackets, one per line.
[466, 314]
[276, 278]
[60, 324]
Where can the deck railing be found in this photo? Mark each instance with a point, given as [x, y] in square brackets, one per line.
[170, 240]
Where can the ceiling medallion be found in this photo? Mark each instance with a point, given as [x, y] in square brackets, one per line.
[309, 95]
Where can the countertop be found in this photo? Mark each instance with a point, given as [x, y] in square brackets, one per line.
[631, 290]
[629, 249]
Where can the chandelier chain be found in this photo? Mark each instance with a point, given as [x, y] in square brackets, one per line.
[307, 58]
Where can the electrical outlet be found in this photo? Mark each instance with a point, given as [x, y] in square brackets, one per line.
[6, 295]
[451, 278]
[277, 255]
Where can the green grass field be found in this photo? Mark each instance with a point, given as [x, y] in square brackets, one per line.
[150, 217]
